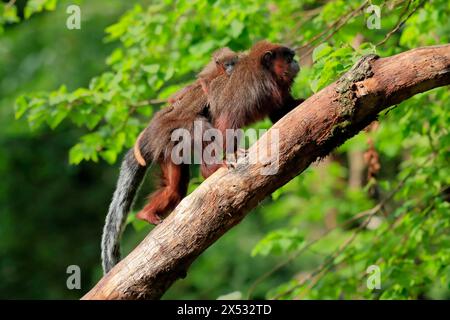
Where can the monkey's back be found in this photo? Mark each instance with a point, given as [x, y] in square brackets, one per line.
[247, 96]
[156, 143]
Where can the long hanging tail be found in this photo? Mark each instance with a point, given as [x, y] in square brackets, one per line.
[130, 178]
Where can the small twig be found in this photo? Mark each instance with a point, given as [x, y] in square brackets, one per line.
[401, 23]
[344, 21]
[319, 35]
[328, 28]
[390, 109]
[431, 141]
[306, 17]
[10, 3]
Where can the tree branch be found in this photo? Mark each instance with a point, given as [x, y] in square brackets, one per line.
[307, 133]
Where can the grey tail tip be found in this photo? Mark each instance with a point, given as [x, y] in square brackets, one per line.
[130, 179]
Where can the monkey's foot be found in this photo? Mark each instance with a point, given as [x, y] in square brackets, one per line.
[152, 218]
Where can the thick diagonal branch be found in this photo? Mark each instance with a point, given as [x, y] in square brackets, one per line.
[310, 131]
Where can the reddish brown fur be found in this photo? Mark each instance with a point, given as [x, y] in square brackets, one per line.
[214, 68]
[154, 143]
[174, 183]
[191, 96]
[258, 86]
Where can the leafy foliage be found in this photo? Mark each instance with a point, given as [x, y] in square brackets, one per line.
[325, 230]
[9, 11]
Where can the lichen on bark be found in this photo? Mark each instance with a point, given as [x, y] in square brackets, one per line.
[345, 85]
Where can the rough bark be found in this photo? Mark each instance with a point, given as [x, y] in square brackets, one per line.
[309, 132]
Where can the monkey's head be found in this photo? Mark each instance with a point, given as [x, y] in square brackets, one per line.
[278, 59]
[228, 65]
[225, 60]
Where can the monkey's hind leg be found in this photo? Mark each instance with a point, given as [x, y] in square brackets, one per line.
[175, 180]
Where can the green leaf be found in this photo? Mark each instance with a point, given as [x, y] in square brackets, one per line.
[236, 28]
[109, 155]
[21, 106]
[235, 295]
[9, 14]
[34, 6]
[57, 116]
[151, 68]
[321, 51]
[76, 154]
[279, 242]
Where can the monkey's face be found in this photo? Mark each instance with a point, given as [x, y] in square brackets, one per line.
[282, 64]
[227, 64]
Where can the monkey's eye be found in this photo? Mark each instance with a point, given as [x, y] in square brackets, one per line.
[289, 56]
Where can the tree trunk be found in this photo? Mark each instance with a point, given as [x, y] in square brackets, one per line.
[309, 132]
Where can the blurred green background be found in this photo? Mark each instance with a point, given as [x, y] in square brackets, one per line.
[71, 102]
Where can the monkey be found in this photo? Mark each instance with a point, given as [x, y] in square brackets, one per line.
[186, 106]
[191, 107]
[222, 63]
[258, 86]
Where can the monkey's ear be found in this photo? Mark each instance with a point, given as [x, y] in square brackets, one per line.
[267, 58]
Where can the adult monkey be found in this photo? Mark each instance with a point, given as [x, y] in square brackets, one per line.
[259, 86]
